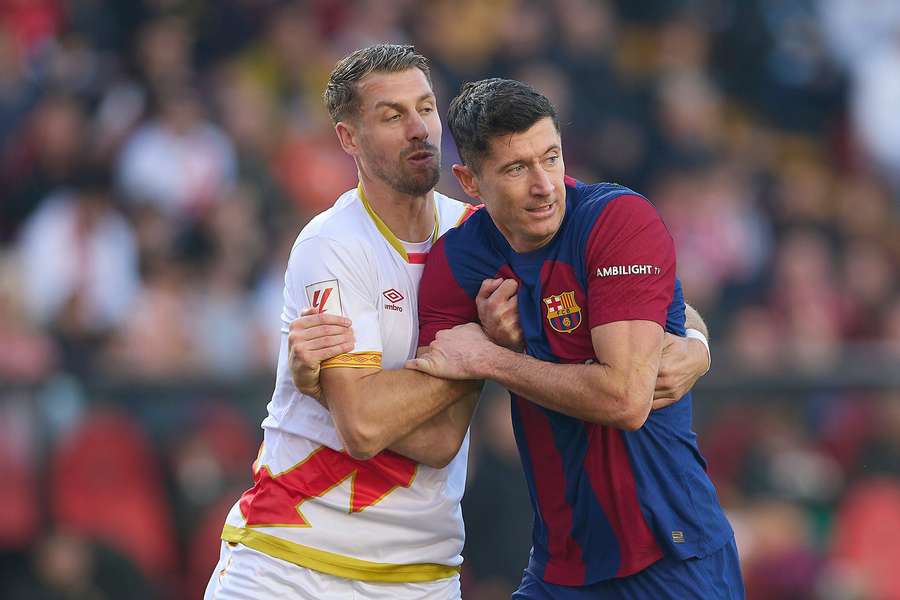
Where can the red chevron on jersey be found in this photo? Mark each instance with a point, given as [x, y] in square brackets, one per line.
[276, 500]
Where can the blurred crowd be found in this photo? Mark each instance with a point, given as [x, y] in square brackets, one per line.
[160, 156]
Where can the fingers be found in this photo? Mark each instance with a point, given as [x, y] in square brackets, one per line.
[311, 359]
[308, 320]
[662, 392]
[497, 291]
[665, 381]
[326, 353]
[662, 402]
[310, 346]
[507, 289]
[336, 342]
[319, 332]
[487, 288]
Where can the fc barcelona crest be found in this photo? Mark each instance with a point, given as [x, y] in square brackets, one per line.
[563, 312]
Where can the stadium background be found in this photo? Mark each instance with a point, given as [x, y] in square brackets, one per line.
[159, 157]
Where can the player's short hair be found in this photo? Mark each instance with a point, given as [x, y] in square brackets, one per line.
[491, 107]
[341, 98]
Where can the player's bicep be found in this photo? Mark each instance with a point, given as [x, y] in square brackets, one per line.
[634, 345]
[443, 304]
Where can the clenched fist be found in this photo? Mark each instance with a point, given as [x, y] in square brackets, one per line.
[498, 312]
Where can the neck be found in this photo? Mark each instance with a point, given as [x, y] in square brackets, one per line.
[523, 246]
[410, 218]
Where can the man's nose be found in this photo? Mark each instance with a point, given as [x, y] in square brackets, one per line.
[417, 129]
[541, 185]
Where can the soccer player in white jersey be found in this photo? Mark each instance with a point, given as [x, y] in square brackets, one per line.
[362, 499]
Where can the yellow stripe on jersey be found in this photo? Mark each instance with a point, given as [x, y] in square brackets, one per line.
[335, 564]
[468, 211]
[355, 360]
[386, 232]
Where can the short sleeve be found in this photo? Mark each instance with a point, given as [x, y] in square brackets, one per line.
[630, 259]
[443, 304]
[323, 273]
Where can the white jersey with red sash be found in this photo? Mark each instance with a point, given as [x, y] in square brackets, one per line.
[385, 519]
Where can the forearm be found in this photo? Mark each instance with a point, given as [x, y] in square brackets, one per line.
[386, 406]
[437, 441]
[594, 392]
[693, 320]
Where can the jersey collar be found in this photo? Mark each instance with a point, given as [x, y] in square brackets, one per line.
[385, 231]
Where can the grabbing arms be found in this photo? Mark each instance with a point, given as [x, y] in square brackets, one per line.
[616, 391]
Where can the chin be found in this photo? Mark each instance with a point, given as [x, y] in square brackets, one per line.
[543, 234]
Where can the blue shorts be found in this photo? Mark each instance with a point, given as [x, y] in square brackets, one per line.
[713, 577]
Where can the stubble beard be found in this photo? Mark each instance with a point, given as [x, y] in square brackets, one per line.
[407, 181]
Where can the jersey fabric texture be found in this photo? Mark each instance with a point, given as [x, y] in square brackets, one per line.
[607, 502]
[713, 577]
[384, 519]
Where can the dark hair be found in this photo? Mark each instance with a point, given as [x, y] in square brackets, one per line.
[340, 95]
[491, 107]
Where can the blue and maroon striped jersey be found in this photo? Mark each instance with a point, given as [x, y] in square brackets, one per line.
[607, 502]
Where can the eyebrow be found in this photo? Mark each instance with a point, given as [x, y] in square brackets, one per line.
[398, 106]
[518, 160]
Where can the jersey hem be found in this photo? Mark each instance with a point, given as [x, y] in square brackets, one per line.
[336, 564]
[700, 551]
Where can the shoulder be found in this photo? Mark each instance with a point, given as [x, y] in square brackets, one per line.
[590, 200]
[466, 253]
[466, 244]
[342, 225]
[336, 241]
[451, 212]
[468, 227]
[609, 210]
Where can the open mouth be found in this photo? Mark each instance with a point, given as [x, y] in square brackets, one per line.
[542, 210]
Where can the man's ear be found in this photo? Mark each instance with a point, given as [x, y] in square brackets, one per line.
[467, 180]
[347, 136]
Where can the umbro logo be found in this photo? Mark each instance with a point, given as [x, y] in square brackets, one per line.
[393, 296]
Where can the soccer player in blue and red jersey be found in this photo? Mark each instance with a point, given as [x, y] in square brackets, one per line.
[623, 507]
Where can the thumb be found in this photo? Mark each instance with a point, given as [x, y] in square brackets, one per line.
[417, 364]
